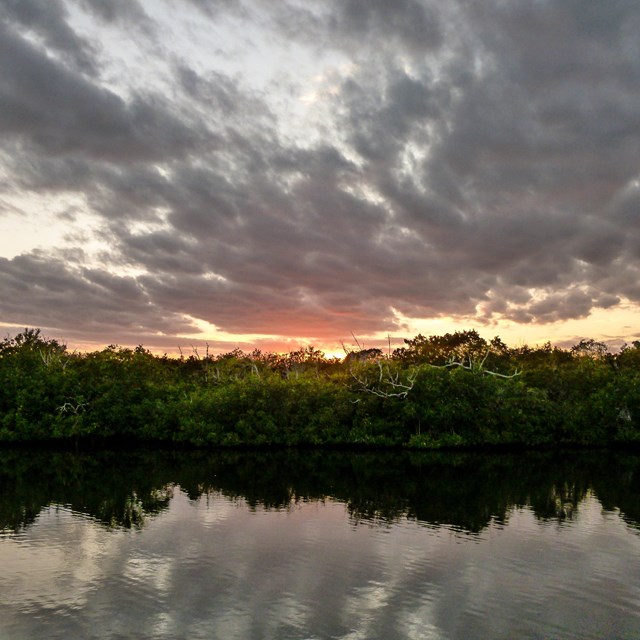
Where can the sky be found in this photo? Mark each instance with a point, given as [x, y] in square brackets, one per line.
[250, 173]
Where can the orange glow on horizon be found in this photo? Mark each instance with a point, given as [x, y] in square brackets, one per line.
[612, 326]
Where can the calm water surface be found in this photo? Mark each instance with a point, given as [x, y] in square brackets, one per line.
[319, 545]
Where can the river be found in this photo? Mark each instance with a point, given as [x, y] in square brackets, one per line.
[319, 544]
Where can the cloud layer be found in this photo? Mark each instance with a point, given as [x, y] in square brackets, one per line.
[307, 170]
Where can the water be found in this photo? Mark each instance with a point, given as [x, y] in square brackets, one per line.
[319, 545]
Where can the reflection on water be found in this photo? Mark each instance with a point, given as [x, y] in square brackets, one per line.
[286, 544]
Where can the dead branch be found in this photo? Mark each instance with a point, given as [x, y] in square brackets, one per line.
[76, 409]
[50, 357]
[388, 385]
[474, 366]
[360, 347]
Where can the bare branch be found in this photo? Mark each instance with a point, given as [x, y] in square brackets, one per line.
[356, 341]
[472, 366]
[67, 407]
[503, 375]
[388, 385]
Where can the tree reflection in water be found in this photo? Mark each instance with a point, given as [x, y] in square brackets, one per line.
[466, 491]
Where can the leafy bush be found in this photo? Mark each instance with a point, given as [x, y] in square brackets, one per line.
[468, 395]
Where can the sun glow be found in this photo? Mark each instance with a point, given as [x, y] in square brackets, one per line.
[614, 326]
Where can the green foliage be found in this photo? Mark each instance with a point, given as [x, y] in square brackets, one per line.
[441, 391]
[35, 381]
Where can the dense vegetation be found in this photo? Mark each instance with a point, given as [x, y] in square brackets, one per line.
[451, 390]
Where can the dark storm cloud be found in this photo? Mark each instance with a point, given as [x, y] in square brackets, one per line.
[47, 20]
[61, 112]
[472, 159]
[64, 295]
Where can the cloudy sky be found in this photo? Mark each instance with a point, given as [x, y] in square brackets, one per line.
[250, 172]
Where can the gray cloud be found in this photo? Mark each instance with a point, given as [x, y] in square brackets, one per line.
[127, 12]
[48, 21]
[470, 159]
[215, 7]
[56, 290]
[410, 23]
[61, 112]
[409, 26]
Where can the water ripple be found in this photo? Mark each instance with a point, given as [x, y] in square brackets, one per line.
[218, 568]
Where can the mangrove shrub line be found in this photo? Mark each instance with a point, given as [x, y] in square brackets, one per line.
[451, 390]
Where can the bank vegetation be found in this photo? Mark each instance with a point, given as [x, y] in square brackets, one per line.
[438, 391]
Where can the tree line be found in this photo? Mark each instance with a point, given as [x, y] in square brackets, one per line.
[453, 390]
